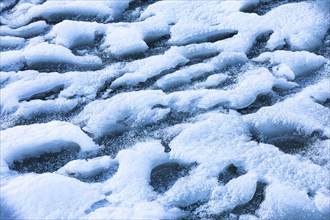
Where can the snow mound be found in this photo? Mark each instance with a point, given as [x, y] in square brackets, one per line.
[23, 141]
[46, 54]
[51, 92]
[52, 10]
[57, 193]
[291, 65]
[134, 109]
[27, 31]
[84, 169]
[300, 113]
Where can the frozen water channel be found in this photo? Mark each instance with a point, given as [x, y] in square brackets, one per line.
[173, 109]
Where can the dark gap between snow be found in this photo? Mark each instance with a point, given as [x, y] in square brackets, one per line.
[9, 6]
[212, 37]
[61, 67]
[46, 95]
[47, 162]
[253, 205]
[132, 13]
[259, 45]
[99, 176]
[231, 172]
[261, 101]
[164, 176]
[46, 116]
[291, 143]
[265, 6]
[97, 205]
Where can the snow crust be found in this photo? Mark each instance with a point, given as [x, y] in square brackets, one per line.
[177, 109]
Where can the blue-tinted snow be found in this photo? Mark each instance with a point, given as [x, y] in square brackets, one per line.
[138, 109]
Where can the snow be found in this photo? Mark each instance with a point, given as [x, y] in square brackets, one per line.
[184, 76]
[253, 83]
[38, 84]
[11, 60]
[127, 110]
[302, 25]
[292, 64]
[50, 10]
[130, 195]
[45, 53]
[234, 193]
[212, 80]
[30, 30]
[23, 141]
[120, 36]
[61, 197]
[86, 168]
[142, 70]
[164, 109]
[71, 34]
[8, 41]
[290, 203]
[297, 113]
[57, 54]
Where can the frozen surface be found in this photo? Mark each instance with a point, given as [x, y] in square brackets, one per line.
[139, 109]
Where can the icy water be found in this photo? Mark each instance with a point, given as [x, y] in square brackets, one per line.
[139, 109]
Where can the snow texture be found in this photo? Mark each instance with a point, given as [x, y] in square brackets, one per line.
[137, 109]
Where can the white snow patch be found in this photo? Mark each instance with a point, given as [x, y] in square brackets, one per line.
[49, 196]
[128, 110]
[27, 140]
[292, 64]
[85, 168]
